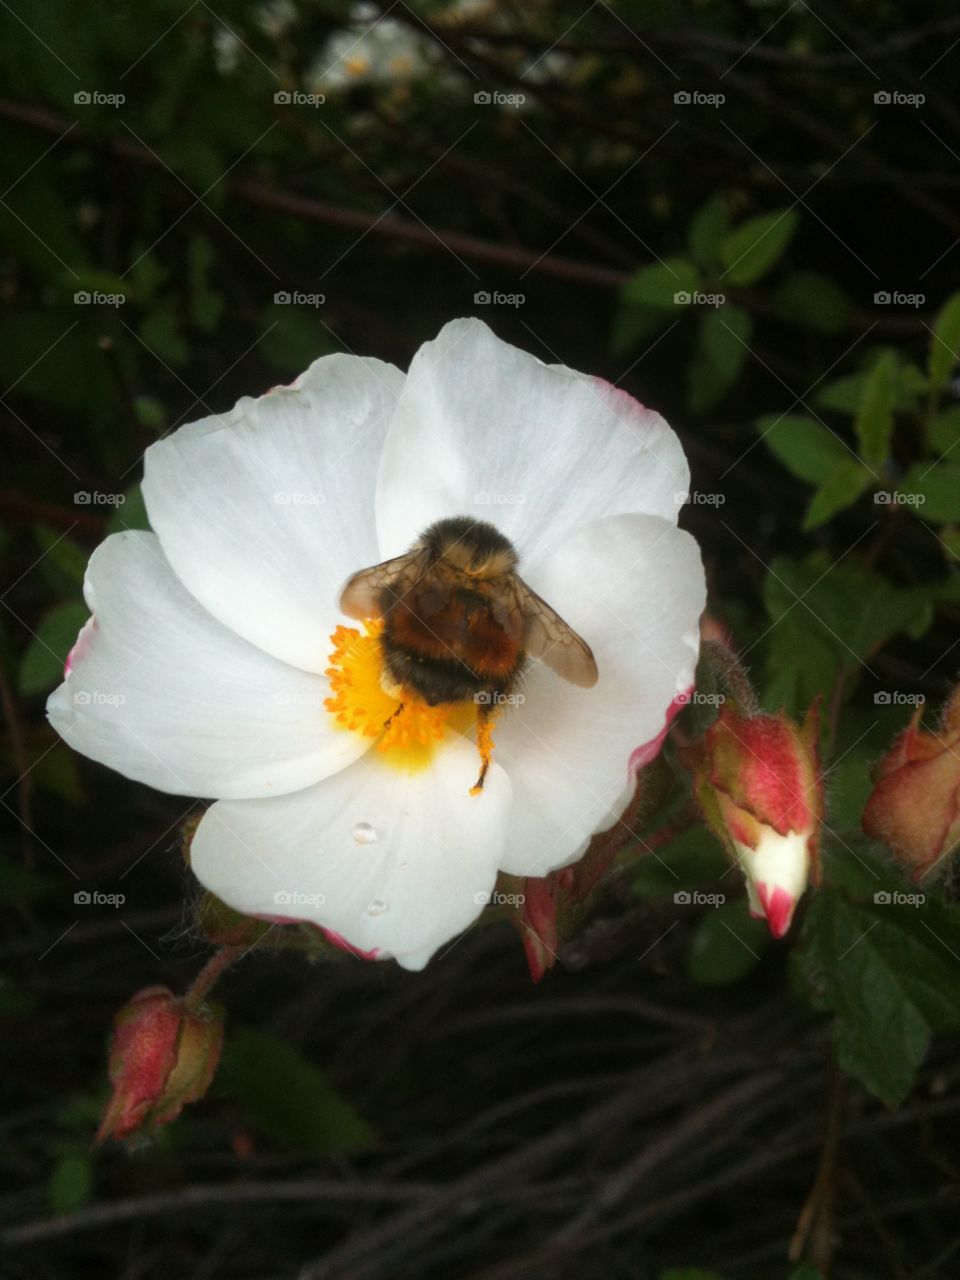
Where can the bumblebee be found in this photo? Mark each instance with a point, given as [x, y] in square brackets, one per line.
[459, 623]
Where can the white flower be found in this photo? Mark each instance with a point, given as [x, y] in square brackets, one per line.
[776, 872]
[205, 668]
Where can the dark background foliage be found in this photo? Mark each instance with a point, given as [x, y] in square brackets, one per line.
[679, 1093]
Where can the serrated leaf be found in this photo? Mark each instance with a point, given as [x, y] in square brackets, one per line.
[289, 1098]
[839, 490]
[808, 450]
[56, 634]
[813, 301]
[890, 977]
[945, 343]
[709, 226]
[936, 488]
[873, 423]
[723, 343]
[751, 250]
[659, 284]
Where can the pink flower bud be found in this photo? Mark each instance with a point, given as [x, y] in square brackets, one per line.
[162, 1056]
[759, 783]
[915, 805]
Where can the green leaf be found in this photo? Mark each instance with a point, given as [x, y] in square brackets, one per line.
[659, 284]
[874, 419]
[293, 338]
[42, 664]
[727, 944]
[63, 563]
[71, 1182]
[289, 1098]
[945, 343]
[808, 450]
[751, 250]
[813, 301]
[723, 342]
[936, 489]
[943, 430]
[844, 395]
[692, 859]
[889, 974]
[709, 226]
[635, 324]
[840, 489]
[815, 636]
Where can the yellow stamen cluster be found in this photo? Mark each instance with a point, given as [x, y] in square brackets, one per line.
[405, 725]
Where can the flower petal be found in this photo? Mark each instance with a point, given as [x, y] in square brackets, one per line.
[633, 587]
[532, 448]
[162, 692]
[393, 862]
[264, 511]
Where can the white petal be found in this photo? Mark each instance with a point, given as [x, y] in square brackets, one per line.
[423, 879]
[633, 587]
[484, 429]
[162, 692]
[265, 511]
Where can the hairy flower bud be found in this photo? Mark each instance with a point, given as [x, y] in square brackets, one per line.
[760, 787]
[915, 805]
[162, 1056]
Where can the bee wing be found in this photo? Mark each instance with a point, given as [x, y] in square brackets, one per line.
[361, 595]
[554, 641]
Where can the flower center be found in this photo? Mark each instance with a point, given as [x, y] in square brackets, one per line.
[364, 699]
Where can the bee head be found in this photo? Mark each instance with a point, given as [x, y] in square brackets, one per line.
[473, 547]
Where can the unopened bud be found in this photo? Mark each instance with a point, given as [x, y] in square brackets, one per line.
[760, 787]
[913, 808]
[162, 1056]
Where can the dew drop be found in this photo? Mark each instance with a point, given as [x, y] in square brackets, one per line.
[376, 907]
[364, 833]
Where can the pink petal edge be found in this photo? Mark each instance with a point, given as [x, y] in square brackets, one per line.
[650, 750]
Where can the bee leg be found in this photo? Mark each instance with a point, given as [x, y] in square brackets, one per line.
[392, 716]
[484, 746]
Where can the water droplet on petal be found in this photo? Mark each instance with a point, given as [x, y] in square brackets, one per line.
[364, 833]
[376, 907]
